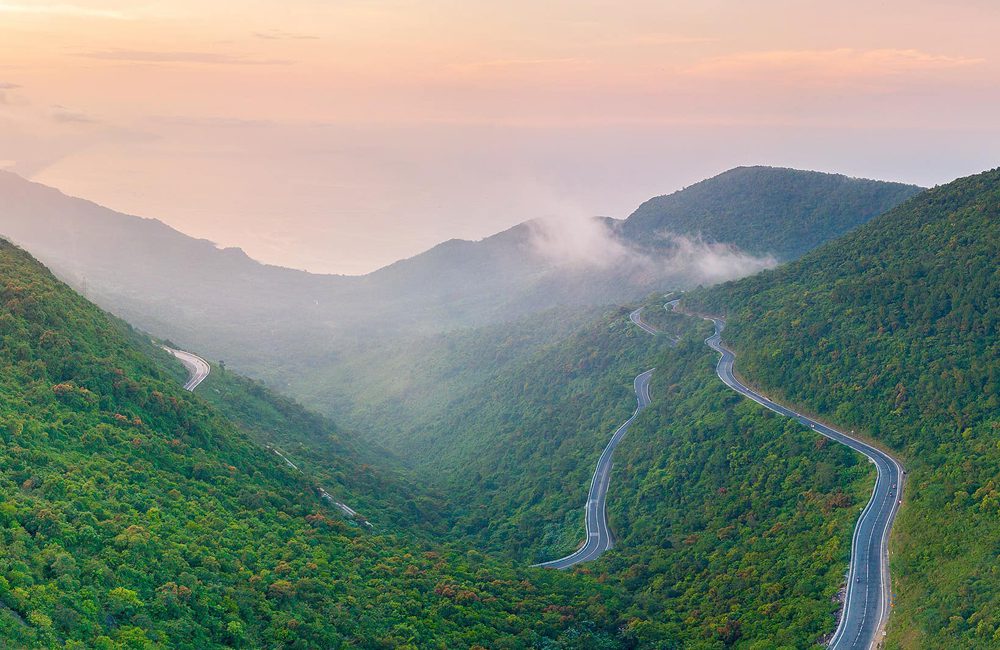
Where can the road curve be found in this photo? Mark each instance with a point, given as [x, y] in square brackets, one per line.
[197, 367]
[636, 317]
[868, 598]
[599, 537]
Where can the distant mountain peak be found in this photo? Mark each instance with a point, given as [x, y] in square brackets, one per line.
[767, 210]
[201, 294]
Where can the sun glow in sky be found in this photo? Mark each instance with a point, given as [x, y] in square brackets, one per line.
[340, 136]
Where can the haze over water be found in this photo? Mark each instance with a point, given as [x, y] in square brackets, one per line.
[339, 137]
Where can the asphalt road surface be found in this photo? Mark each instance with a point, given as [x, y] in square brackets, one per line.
[599, 537]
[636, 317]
[197, 367]
[868, 598]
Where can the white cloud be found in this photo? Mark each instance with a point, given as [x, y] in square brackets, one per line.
[575, 241]
[709, 263]
[591, 243]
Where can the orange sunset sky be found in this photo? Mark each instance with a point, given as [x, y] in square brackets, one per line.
[340, 135]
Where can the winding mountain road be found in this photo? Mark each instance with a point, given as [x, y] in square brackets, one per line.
[599, 538]
[868, 599]
[197, 367]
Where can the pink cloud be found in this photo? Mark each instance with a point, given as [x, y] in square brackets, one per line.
[824, 66]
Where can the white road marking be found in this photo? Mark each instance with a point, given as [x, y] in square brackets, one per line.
[596, 507]
[197, 367]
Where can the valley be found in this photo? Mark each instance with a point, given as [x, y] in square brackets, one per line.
[464, 456]
[499, 326]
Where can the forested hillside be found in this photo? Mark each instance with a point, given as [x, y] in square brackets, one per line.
[504, 421]
[767, 210]
[893, 331]
[515, 454]
[733, 525]
[363, 475]
[133, 515]
[383, 388]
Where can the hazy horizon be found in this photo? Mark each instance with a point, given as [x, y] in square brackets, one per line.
[340, 138]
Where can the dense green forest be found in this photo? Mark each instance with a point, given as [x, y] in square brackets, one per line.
[137, 515]
[893, 331]
[766, 210]
[516, 455]
[133, 515]
[506, 421]
[368, 478]
[384, 388]
[734, 525]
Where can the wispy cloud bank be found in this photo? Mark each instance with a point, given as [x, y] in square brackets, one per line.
[60, 9]
[577, 242]
[592, 243]
[149, 56]
[709, 262]
[280, 35]
[844, 63]
[4, 87]
[65, 115]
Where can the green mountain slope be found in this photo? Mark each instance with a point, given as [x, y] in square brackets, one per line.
[383, 388]
[364, 476]
[133, 515]
[502, 420]
[506, 424]
[516, 452]
[893, 331]
[767, 210]
[733, 526]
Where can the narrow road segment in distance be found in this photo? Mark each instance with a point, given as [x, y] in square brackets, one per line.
[599, 538]
[636, 317]
[868, 599]
[197, 367]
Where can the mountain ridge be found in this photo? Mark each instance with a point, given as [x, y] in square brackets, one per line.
[282, 325]
[259, 318]
[826, 211]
